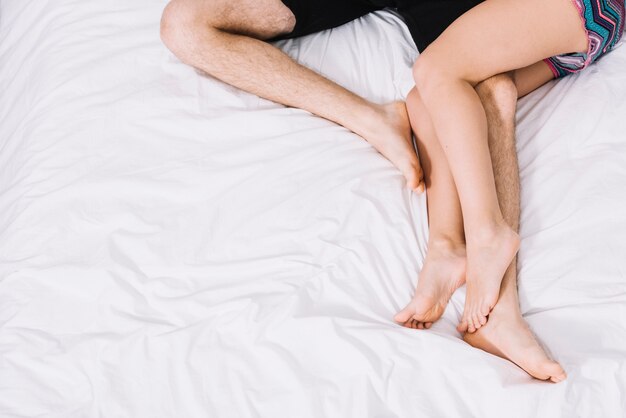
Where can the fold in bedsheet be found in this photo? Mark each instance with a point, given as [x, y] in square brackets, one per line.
[171, 246]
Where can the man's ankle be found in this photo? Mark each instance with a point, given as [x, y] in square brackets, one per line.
[508, 305]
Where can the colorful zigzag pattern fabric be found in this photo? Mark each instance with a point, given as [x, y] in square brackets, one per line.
[604, 22]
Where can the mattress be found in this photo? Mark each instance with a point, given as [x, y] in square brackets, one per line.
[173, 247]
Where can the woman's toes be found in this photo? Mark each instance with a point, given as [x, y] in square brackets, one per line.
[485, 309]
[472, 325]
[427, 325]
[420, 325]
[475, 321]
[462, 327]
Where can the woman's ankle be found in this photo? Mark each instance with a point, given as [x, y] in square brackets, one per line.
[490, 231]
[446, 243]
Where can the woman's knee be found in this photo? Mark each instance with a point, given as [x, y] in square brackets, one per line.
[432, 74]
[424, 73]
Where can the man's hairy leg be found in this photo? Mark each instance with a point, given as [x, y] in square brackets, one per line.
[506, 334]
[225, 38]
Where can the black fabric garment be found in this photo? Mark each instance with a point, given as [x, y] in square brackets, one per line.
[426, 19]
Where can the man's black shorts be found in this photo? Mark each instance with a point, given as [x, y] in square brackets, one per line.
[426, 19]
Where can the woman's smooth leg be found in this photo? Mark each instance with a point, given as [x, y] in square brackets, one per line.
[445, 264]
[512, 35]
[444, 268]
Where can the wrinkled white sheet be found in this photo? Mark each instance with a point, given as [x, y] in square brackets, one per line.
[173, 247]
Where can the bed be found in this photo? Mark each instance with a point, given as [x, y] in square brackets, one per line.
[173, 247]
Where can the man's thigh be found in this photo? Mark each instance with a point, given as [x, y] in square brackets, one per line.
[262, 19]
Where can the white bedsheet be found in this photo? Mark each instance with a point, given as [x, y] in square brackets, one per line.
[173, 247]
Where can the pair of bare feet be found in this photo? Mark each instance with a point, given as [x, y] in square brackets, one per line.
[505, 334]
[496, 327]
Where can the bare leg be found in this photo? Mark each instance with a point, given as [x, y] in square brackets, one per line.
[513, 35]
[506, 334]
[225, 38]
[444, 268]
[445, 265]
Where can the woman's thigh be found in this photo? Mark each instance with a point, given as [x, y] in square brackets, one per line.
[503, 35]
[530, 78]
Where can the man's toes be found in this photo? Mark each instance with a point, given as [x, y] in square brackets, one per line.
[414, 179]
[556, 372]
[404, 315]
[559, 378]
[421, 186]
[547, 370]
[411, 182]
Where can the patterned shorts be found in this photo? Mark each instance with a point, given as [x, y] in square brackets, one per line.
[604, 23]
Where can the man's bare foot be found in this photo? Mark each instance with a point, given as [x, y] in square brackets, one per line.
[487, 260]
[389, 131]
[442, 274]
[507, 335]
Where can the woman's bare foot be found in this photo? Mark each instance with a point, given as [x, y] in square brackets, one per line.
[507, 335]
[488, 258]
[389, 131]
[442, 274]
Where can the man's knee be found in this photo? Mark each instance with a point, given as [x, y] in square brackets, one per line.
[499, 94]
[179, 25]
[183, 21]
